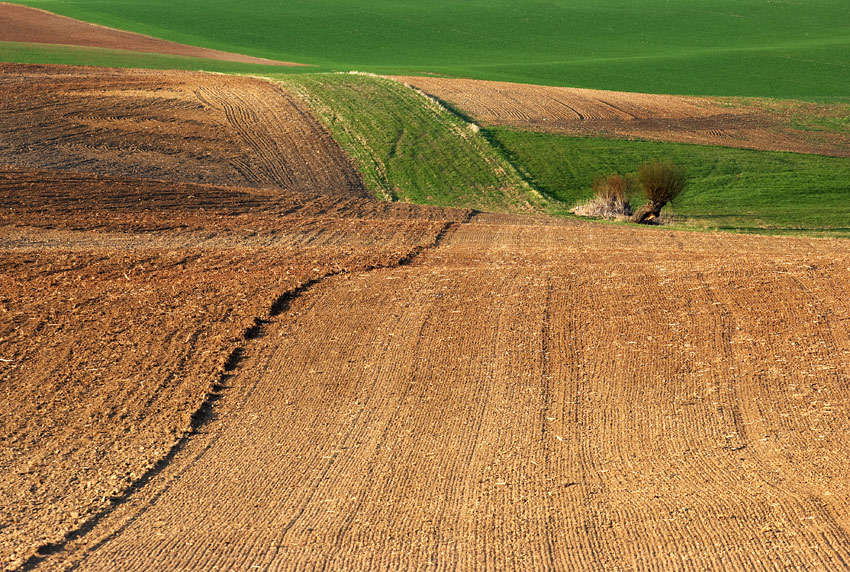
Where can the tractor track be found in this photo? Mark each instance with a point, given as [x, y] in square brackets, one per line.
[277, 373]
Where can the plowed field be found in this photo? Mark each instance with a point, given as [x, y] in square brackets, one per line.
[24, 24]
[287, 376]
[125, 305]
[177, 126]
[526, 396]
[711, 121]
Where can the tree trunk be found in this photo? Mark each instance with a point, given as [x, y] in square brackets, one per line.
[647, 213]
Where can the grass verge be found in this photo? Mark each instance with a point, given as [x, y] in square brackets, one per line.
[728, 189]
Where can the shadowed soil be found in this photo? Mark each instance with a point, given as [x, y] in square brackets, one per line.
[24, 24]
[730, 122]
[177, 126]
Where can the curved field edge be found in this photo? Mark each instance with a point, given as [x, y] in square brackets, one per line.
[751, 123]
[410, 148]
[729, 189]
[24, 24]
[719, 47]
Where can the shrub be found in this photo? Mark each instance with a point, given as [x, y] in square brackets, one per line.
[612, 196]
[614, 189]
[661, 183]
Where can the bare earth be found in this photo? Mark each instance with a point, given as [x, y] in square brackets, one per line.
[199, 377]
[25, 24]
[528, 397]
[729, 122]
[177, 126]
[123, 306]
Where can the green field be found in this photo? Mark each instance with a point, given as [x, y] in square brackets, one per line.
[778, 48]
[408, 148]
[729, 189]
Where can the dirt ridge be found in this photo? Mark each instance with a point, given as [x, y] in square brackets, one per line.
[198, 418]
[168, 125]
[118, 263]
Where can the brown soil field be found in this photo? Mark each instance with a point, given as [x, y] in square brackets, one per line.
[176, 126]
[124, 307]
[25, 24]
[525, 396]
[730, 122]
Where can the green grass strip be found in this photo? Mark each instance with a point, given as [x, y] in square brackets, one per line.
[780, 48]
[729, 189]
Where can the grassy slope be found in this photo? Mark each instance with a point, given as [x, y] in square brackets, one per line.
[730, 189]
[409, 148]
[717, 47]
